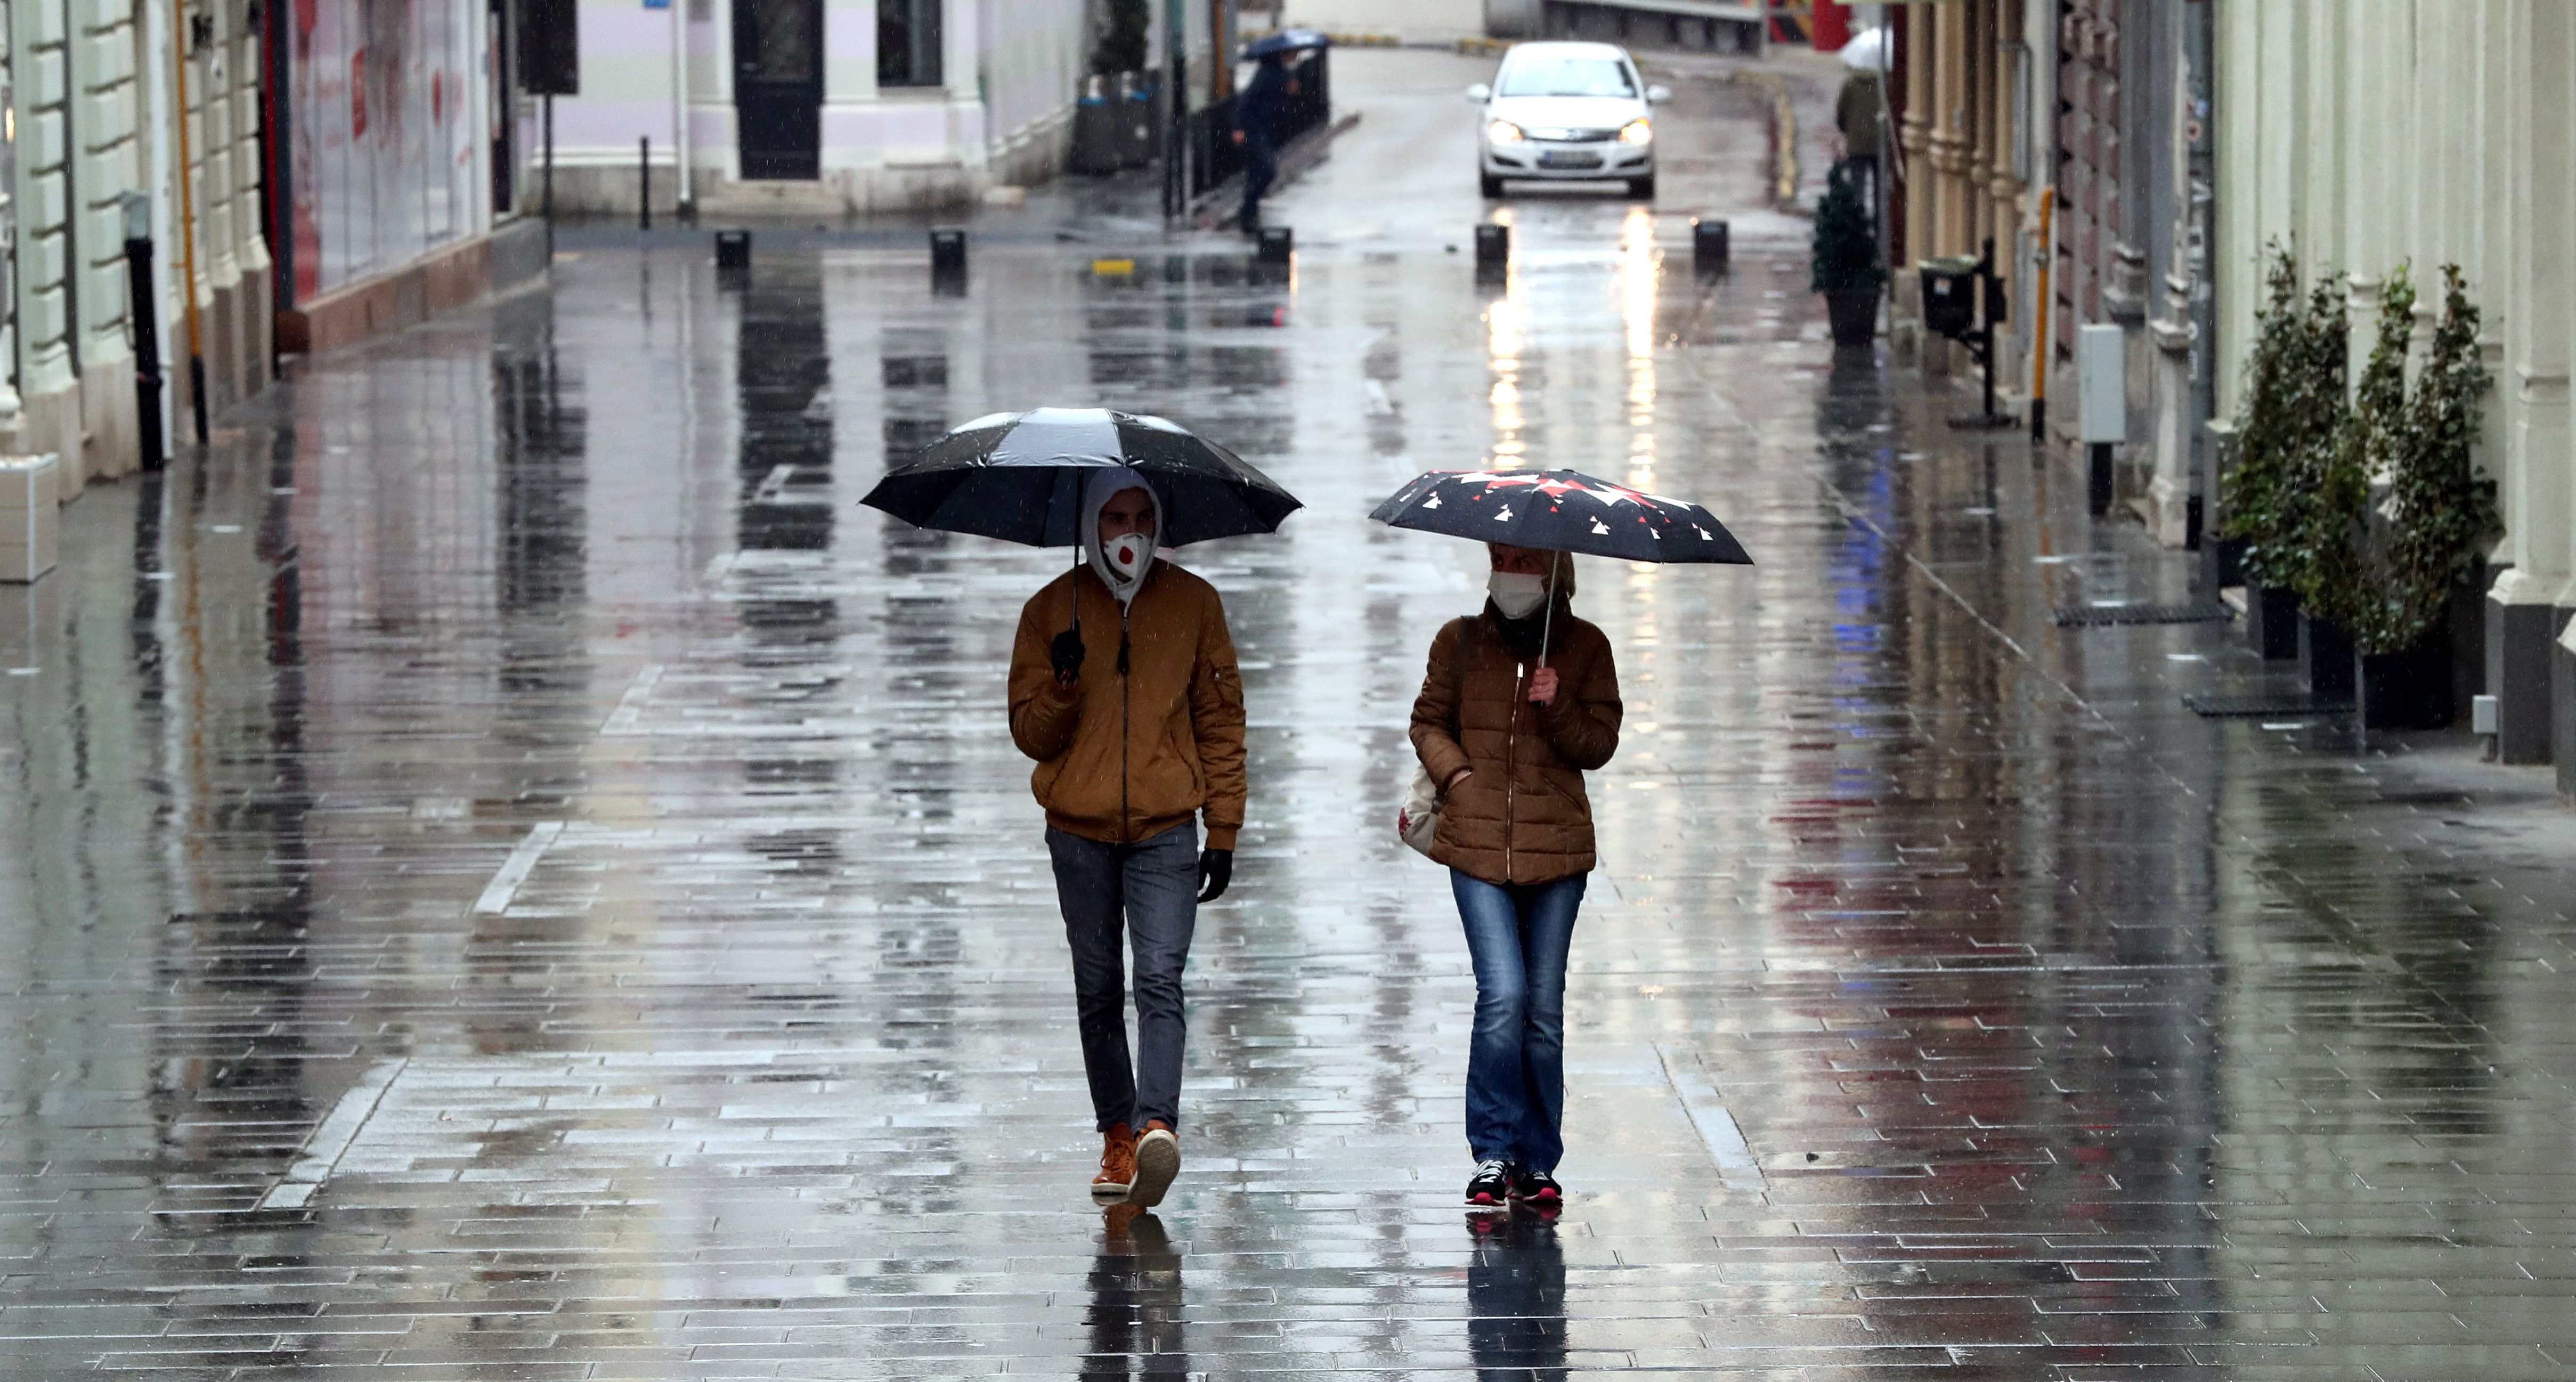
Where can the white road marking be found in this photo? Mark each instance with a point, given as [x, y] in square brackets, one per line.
[1717, 1128]
[515, 869]
[630, 707]
[332, 1136]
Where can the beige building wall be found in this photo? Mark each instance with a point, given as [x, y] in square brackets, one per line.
[2370, 133]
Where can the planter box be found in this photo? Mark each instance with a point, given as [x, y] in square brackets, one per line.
[2408, 690]
[1853, 314]
[2326, 658]
[2272, 622]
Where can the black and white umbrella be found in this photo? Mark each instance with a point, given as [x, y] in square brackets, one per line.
[1561, 511]
[1019, 477]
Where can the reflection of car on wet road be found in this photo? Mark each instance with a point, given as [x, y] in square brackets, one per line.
[1568, 112]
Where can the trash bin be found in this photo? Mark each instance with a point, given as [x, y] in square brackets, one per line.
[1140, 134]
[1950, 296]
[1097, 146]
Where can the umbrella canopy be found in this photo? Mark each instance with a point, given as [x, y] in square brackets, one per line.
[1286, 41]
[1018, 477]
[1561, 511]
[1867, 50]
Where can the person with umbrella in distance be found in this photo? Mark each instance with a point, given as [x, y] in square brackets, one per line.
[1518, 702]
[1261, 110]
[1124, 688]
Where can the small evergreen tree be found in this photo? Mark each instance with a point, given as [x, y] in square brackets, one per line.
[1120, 45]
[2286, 424]
[2441, 512]
[2343, 579]
[1846, 244]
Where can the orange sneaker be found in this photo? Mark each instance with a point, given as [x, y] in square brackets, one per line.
[1117, 1164]
[1157, 1160]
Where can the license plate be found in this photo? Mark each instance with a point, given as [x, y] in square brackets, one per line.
[1553, 159]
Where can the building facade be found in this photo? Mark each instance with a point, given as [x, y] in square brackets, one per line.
[2374, 133]
[2076, 134]
[819, 107]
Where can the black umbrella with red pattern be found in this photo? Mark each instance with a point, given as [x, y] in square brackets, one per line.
[1561, 511]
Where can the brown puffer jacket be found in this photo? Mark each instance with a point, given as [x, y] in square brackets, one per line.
[1126, 755]
[1521, 815]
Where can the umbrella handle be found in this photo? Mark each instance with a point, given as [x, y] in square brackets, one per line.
[1073, 588]
[1549, 622]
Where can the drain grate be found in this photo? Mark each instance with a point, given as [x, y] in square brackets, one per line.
[2105, 616]
[2262, 707]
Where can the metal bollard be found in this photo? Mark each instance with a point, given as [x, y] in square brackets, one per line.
[1708, 247]
[948, 251]
[948, 262]
[733, 251]
[1277, 243]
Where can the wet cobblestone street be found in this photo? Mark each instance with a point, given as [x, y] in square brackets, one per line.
[509, 871]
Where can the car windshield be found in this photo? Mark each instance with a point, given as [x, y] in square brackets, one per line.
[1567, 77]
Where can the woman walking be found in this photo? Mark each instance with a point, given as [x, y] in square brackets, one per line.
[1517, 704]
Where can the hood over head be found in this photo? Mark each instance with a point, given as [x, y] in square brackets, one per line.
[1125, 564]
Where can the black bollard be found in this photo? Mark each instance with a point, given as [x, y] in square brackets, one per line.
[1708, 247]
[733, 251]
[145, 320]
[644, 182]
[1276, 244]
[948, 262]
[1493, 249]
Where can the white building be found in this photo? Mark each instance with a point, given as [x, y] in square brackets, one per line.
[815, 106]
[2377, 132]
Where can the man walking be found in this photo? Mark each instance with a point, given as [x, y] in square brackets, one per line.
[1258, 110]
[1125, 691]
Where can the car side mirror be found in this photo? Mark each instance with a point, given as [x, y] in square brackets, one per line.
[1657, 95]
[1480, 92]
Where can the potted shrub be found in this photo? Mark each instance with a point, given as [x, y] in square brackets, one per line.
[2439, 515]
[1845, 265]
[2285, 426]
[2338, 585]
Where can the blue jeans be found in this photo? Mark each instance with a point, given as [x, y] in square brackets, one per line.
[1146, 894]
[1518, 936]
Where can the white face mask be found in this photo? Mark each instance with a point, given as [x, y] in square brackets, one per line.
[1127, 554]
[1517, 595]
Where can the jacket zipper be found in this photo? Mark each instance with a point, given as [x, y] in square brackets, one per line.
[1126, 812]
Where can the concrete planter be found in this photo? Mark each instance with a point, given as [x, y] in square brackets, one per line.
[2271, 621]
[2326, 659]
[2405, 690]
[1853, 313]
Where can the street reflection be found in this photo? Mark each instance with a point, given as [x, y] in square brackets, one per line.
[1134, 1312]
[1516, 1321]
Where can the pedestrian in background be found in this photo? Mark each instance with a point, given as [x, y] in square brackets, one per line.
[1861, 120]
[1509, 740]
[1136, 735]
[1259, 110]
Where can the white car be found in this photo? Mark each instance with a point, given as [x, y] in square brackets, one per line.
[1567, 112]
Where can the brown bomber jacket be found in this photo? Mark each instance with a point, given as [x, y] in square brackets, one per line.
[1124, 758]
[1521, 816]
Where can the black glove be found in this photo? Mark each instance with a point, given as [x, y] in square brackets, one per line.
[1216, 869]
[1066, 653]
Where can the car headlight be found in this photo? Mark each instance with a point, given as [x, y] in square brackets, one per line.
[1504, 132]
[1638, 131]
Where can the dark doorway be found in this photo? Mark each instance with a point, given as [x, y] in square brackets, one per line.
[778, 87]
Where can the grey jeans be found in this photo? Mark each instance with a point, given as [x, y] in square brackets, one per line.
[1149, 891]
